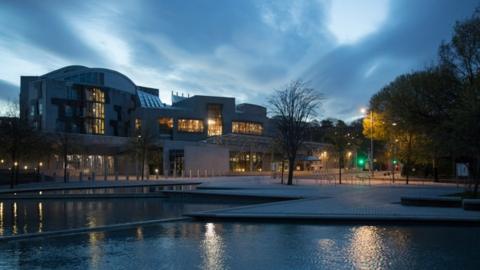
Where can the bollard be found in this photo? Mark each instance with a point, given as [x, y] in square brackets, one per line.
[93, 176]
[206, 173]
[80, 176]
[126, 178]
[190, 173]
[198, 173]
[116, 175]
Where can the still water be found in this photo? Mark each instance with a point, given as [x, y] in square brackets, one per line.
[30, 216]
[195, 245]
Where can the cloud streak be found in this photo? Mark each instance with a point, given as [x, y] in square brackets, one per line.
[244, 49]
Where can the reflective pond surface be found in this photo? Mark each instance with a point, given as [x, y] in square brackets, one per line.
[32, 216]
[195, 245]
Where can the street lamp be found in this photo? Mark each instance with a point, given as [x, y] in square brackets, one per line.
[364, 111]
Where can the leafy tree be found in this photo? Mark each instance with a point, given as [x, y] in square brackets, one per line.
[461, 56]
[343, 138]
[294, 106]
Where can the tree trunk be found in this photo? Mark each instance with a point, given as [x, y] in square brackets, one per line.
[291, 167]
[409, 152]
[477, 177]
[435, 170]
[65, 158]
[144, 153]
[340, 163]
[283, 169]
[12, 175]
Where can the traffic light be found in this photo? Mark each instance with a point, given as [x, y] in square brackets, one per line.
[361, 162]
[394, 162]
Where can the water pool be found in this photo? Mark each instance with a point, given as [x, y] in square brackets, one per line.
[34, 216]
[196, 245]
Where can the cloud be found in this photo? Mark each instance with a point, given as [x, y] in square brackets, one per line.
[245, 49]
[8, 91]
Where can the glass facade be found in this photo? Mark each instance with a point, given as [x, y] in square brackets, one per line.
[246, 161]
[250, 128]
[214, 121]
[165, 125]
[190, 125]
[94, 111]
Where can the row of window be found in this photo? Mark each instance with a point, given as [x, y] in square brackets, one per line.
[197, 126]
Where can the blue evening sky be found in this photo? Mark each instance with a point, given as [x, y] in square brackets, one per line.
[346, 49]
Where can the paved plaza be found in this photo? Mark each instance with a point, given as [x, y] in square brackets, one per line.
[347, 202]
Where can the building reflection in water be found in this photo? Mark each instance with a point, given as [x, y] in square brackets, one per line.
[40, 217]
[94, 241]
[1, 219]
[366, 248]
[14, 211]
[213, 249]
[139, 233]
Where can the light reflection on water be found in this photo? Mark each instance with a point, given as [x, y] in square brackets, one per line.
[366, 247]
[32, 216]
[213, 249]
[189, 245]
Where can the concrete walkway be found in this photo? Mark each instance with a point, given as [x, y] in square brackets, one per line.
[337, 203]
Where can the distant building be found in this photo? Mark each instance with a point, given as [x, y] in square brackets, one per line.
[105, 112]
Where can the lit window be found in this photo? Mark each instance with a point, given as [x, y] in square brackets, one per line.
[190, 125]
[247, 128]
[214, 121]
[165, 125]
[138, 124]
[94, 111]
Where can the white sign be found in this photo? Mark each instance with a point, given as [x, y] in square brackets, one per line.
[462, 170]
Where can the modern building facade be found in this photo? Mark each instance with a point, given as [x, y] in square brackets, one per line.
[110, 118]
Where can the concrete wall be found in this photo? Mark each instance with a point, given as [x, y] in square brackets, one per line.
[214, 159]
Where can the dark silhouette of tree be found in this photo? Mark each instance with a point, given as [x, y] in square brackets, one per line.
[461, 56]
[17, 140]
[293, 107]
[143, 143]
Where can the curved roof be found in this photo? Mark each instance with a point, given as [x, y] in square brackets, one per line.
[111, 78]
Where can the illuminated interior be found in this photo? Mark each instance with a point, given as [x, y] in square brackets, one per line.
[138, 124]
[247, 128]
[94, 111]
[190, 125]
[246, 161]
[165, 125]
[215, 125]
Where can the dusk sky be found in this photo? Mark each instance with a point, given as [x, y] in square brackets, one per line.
[346, 49]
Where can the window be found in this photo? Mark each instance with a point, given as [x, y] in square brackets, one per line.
[247, 128]
[165, 125]
[68, 111]
[94, 111]
[33, 110]
[246, 161]
[190, 125]
[138, 125]
[214, 121]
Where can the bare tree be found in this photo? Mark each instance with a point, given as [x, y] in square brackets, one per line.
[63, 145]
[17, 138]
[292, 108]
[142, 144]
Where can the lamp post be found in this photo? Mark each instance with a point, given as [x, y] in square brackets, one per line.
[363, 110]
[394, 162]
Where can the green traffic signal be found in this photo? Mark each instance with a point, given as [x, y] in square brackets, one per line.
[361, 162]
[394, 161]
